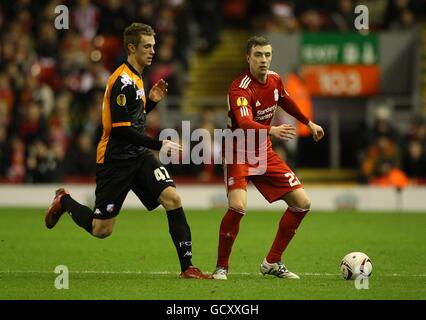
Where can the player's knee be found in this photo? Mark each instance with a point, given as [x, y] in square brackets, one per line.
[172, 201]
[102, 233]
[237, 206]
[304, 203]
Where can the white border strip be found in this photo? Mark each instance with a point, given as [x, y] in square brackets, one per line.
[330, 198]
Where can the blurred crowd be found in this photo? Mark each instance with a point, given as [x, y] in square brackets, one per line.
[322, 15]
[392, 158]
[52, 81]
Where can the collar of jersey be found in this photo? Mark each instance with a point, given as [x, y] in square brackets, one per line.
[133, 69]
[252, 77]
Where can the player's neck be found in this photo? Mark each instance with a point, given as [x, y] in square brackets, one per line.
[135, 64]
[262, 78]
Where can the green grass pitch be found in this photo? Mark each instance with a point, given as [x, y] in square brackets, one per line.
[138, 261]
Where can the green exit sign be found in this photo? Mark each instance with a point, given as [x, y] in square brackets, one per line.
[339, 48]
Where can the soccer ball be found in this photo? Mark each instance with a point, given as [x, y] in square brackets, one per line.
[355, 264]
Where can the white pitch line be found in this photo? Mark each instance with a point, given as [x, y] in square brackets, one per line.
[170, 272]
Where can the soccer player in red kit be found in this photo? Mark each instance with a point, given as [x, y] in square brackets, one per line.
[253, 98]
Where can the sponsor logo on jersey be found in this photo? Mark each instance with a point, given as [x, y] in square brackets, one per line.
[276, 95]
[125, 80]
[265, 113]
[267, 110]
[121, 100]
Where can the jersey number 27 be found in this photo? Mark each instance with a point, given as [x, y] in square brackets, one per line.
[292, 179]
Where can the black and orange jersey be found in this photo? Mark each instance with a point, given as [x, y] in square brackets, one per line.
[123, 105]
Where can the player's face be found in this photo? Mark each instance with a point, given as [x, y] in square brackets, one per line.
[145, 51]
[259, 60]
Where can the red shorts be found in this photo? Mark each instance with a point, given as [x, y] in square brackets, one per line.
[273, 184]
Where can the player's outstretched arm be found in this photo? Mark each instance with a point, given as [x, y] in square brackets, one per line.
[130, 135]
[316, 130]
[158, 91]
[284, 132]
[170, 147]
[156, 94]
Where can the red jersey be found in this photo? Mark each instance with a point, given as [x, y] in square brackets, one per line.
[248, 99]
[251, 104]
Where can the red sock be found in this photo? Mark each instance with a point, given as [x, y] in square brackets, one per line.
[228, 232]
[289, 223]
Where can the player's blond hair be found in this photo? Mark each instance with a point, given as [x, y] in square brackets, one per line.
[256, 41]
[133, 33]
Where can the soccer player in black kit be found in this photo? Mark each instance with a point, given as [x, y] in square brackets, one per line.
[124, 161]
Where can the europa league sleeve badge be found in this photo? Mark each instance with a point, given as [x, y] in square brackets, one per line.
[121, 100]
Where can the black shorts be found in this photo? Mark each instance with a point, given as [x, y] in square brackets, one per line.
[146, 177]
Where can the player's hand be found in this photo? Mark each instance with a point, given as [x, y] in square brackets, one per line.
[158, 90]
[169, 147]
[316, 130]
[284, 132]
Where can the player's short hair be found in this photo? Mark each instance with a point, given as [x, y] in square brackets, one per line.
[133, 33]
[256, 41]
